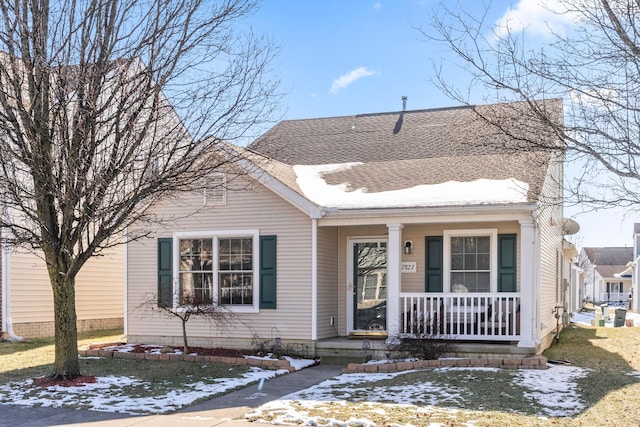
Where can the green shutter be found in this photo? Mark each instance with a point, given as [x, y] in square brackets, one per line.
[165, 272]
[507, 263]
[433, 263]
[268, 271]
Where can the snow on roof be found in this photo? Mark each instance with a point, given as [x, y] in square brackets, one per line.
[481, 191]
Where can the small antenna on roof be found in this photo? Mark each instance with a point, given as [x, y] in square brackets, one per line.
[404, 103]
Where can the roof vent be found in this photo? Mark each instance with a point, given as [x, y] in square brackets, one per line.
[404, 103]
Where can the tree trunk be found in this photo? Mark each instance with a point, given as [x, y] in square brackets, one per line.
[67, 365]
[184, 337]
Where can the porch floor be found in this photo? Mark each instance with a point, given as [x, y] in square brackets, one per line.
[362, 348]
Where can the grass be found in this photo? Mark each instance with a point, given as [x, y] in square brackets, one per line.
[24, 360]
[611, 396]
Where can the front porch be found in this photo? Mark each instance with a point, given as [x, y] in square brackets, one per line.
[480, 325]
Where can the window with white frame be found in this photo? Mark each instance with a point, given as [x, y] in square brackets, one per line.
[470, 260]
[235, 271]
[196, 271]
[218, 268]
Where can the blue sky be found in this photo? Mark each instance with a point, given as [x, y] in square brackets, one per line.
[343, 57]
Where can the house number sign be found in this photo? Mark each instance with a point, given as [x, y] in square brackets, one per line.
[408, 267]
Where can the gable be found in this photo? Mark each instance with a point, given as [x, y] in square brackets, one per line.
[373, 156]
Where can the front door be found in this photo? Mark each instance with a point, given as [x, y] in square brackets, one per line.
[369, 286]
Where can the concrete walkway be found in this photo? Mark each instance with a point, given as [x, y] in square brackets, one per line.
[223, 411]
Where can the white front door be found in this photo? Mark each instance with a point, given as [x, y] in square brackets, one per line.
[367, 292]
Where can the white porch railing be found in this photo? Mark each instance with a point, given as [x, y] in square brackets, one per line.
[614, 297]
[468, 316]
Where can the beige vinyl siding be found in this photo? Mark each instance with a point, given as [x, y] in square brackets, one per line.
[414, 282]
[100, 287]
[550, 229]
[328, 282]
[248, 209]
[99, 292]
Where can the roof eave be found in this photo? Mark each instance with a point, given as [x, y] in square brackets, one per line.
[420, 214]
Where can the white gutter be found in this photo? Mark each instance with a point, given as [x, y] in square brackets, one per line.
[511, 208]
[314, 279]
[6, 290]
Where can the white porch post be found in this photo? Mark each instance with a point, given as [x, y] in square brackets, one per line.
[529, 292]
[394, 280]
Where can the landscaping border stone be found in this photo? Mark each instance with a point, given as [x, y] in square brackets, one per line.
[272, 364]
[531, 362]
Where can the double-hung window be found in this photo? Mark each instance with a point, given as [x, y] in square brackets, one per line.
[196, 271]
[217, 267]
[235, 271]
[470, 260]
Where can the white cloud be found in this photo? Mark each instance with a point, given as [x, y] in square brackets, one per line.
[346, 79]
[538, 17]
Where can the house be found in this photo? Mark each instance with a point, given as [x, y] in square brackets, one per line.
[363, 227]
[608, 274]
[26, 297]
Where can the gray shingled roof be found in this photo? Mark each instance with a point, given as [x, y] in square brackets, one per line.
[609, 261]
[405, 149]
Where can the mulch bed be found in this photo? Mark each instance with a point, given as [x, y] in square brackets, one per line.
[200, 351]
[76, 382]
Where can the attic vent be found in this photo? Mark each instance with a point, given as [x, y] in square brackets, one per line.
[404, 103]
[216, 194]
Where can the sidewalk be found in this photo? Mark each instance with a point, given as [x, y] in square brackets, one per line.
[223, 411]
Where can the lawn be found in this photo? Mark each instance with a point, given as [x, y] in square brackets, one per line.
[599, 386]
[123, 385]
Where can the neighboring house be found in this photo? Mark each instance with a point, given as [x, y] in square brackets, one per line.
[361, 226]
[570, 278]
[26, 298]
[607, 274]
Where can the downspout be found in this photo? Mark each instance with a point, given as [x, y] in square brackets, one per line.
[537, 276]
[126, 287]
[314, 279]
[6, 289]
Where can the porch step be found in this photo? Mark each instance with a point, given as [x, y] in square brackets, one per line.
[342, 351]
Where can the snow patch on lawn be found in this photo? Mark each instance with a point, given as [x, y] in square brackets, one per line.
[554, 389]
[112, 394]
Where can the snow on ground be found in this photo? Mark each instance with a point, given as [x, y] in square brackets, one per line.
[108, 393]
[585, 318]
[554, 390]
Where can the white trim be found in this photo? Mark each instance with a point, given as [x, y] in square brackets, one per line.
[425, 216]
[394, 280]
[446, 255]
[314, 279]
[529, 288]
[281, 189]
[215, 235]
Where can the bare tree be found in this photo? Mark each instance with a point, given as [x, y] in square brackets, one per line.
[106, 107]
[219, 315]
[592, 63]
